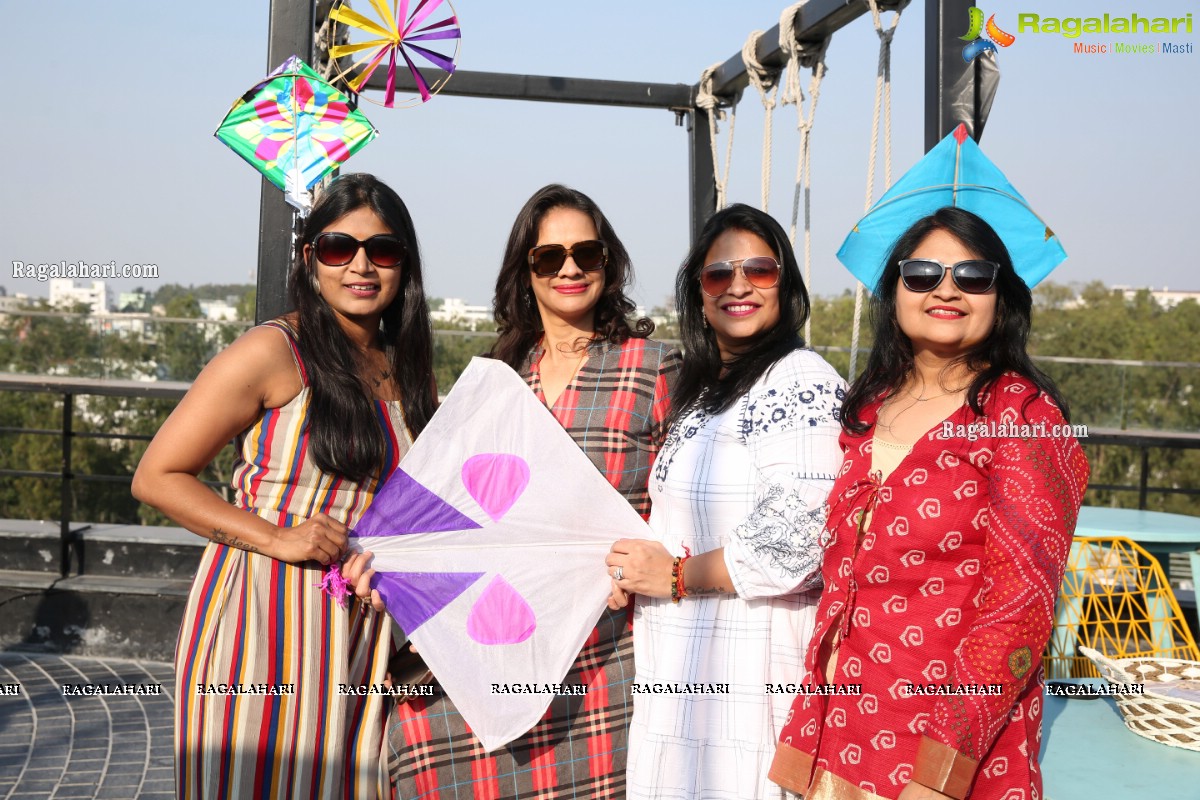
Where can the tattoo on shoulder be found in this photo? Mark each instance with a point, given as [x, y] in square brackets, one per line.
[707, 590]
[221, 537]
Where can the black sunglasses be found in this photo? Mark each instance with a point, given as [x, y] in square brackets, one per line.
[548, 259]
[925, 274]
[338, 249]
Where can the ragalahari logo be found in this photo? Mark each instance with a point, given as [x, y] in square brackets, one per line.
[992, 35]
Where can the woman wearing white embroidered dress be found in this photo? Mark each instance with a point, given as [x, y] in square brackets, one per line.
[729, 586]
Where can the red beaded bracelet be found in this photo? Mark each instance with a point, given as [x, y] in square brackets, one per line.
[678, 587]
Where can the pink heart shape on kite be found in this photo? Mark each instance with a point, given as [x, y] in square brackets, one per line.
[501, 615]
[495, 480]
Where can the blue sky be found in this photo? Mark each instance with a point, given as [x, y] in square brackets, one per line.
[111, 154]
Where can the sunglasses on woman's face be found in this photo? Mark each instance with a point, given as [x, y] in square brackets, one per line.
[548, 259]
[760, 271]
[339, 249]
[925, 274]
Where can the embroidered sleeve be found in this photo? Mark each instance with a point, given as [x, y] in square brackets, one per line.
[1035, 490]
[791, 429]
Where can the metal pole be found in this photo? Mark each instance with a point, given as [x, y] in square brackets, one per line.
[945, 22]
[65, 496]
[291, 32]
[815, 20]
[550, 89]
[702, 176]
[1144, 479]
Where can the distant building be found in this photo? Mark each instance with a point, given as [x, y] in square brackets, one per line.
[1167, 298]
[65, 293]
[136, 300]
[9, 303]
[132, 323]
[455, 310]
[218, 310]
[661, 316]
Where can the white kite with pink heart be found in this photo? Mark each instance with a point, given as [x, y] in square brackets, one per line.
[489, 543]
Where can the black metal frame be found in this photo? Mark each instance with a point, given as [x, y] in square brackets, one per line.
[67, 389]
[945, 21]
[293, 28]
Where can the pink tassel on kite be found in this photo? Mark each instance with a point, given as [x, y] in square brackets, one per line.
[334, 585]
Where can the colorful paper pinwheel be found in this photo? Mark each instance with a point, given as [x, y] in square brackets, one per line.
[954, 173]
[489, 544]
[395, 33]
[295, 128]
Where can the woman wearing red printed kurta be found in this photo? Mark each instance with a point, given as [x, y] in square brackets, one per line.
[948, 531]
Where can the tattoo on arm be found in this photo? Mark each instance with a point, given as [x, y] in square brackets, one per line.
[221, 537]
[708, 590]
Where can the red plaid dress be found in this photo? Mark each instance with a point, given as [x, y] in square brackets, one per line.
[614, 409]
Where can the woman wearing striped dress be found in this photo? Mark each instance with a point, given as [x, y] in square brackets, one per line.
[323, 402]
[564, 326]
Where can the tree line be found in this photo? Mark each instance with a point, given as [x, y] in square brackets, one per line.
[1094, 323]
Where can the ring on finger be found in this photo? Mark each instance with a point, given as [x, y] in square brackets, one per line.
[618, 574]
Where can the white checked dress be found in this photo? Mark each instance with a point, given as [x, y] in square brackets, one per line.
[753, 480]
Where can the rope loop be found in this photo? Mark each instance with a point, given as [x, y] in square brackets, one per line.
[763, 78]
[811, 56]
[883, 101]
[766, 81]
[704, 95]
[709, 102]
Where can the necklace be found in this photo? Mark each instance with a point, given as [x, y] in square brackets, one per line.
[915, 400]
[932, 396]
[570, 379]
[578, 364]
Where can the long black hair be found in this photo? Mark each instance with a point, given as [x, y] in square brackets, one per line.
[1003, 350]
[345, 437]
[701, 379]
[517, 318]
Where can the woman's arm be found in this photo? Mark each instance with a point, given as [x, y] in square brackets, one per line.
[791, 431]
[646, 570]
[254, 373]
[1035, 489]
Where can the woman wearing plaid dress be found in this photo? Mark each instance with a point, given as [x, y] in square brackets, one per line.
[563, 319]
[727, 587]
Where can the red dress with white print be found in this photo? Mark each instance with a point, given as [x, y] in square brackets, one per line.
[950, 588]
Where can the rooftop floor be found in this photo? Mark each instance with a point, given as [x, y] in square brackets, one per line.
[57, 744]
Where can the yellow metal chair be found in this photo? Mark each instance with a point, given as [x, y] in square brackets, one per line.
[1114, 598]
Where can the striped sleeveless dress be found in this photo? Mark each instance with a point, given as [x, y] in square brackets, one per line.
[263, 652]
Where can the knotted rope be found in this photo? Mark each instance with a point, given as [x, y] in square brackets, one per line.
[809, 56]
[708, 101]
[883, 97]
[766, 81]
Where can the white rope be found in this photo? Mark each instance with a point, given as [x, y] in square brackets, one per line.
[708, 101]
[811, 57]
[883, 97]
[766, 81]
